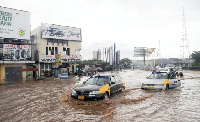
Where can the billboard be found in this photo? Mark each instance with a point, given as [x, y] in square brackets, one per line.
[141, 51]
[14, 24]
[60, 32]
[16, 52]
[150, 50]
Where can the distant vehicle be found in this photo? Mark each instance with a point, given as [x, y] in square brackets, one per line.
[90, 70]
[179, 71]
[99, 69]
[99, 87]
[161, 81]
[163, 70]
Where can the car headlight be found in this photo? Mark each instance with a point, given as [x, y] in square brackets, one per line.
[95, 92]
[73, 92]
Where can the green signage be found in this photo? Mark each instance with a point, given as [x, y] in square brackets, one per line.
[5, 18]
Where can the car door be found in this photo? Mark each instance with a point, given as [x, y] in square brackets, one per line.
[174, 81]
[112, 85]
[118, 83]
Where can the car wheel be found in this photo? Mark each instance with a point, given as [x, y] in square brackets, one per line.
[123, 88]
[106, 96]
[167, 86]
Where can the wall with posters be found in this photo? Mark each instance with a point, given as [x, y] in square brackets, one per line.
[60, 32]
[15, 52]
[14, 23]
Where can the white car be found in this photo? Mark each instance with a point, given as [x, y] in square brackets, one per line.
[161, 81]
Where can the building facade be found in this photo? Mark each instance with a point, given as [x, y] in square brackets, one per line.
[58, 49]
[16, 46]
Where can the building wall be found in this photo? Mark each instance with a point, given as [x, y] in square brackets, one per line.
[3, 73]
[42, 44]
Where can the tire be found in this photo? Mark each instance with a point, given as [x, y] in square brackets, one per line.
[106, 97]
[167, 86]
[123, 88]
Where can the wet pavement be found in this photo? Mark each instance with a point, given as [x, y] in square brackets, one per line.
[50, 101]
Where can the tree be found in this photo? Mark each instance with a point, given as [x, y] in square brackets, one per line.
[125, 62]
[196, 57]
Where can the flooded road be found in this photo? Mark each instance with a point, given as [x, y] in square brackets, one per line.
[50, 101]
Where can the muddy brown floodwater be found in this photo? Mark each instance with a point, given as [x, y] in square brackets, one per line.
[50, 101]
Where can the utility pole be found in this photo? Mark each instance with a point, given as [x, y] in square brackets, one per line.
[185, 45]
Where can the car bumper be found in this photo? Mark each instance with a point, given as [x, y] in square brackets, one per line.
[153, 88]
[88, 97]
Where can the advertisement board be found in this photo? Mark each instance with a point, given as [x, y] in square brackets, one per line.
[14, 24]
[64, 59]
[60, 32]
[16, 52]
[58, 59]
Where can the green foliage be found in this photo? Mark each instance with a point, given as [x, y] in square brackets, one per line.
[125, 61]
[93, 62]
[196, 57]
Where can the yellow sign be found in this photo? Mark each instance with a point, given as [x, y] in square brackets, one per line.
[81, 97]
[149, 87]
[58, 59]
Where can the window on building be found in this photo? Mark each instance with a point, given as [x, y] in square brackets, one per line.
[49, 50]
[59, 42]
[68, 51]
[62, 42]
[64, 51]
[56, 50]
[49, 41]
[46, 50]
[45, 67]
[66, 42]
[78, 52]
[52, 51]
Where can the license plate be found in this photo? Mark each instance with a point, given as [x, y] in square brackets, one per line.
[81, 97]
[149, 87]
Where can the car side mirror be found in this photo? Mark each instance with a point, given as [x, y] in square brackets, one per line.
[84, 82]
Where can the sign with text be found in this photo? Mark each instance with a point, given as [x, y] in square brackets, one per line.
[14, 24]
[65, 59]
[58, 59]
[60, 32]
[16, 52]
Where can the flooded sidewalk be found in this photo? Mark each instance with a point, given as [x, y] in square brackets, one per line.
[50, 100]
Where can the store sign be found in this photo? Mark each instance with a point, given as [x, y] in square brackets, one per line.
[58, 59]
[14, 24]
[64, 59]
[60, 32]
[16, 52]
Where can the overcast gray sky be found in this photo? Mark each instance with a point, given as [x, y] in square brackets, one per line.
[128, 23]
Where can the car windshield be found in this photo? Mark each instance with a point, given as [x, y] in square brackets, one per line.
[178, 69]
[158, 75]
[97, 80]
